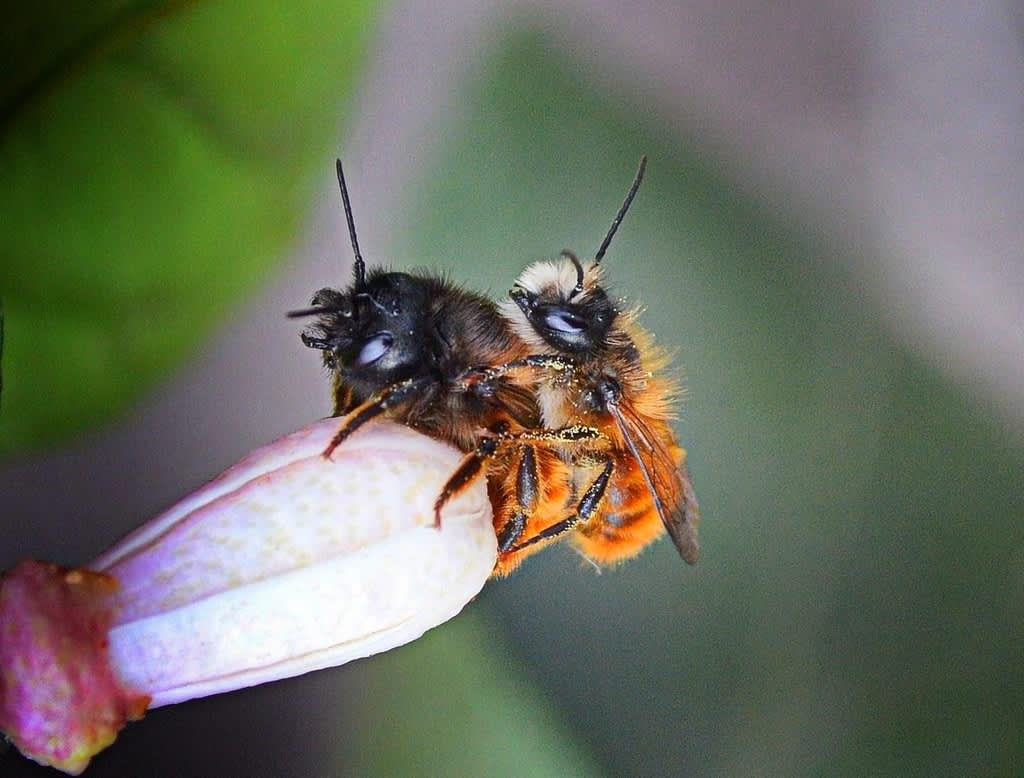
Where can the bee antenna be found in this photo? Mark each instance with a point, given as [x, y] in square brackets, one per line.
[359, 268]
[571, 256]
[622, 211]
[314, 311]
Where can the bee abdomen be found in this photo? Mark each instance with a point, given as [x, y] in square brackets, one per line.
[627, 522]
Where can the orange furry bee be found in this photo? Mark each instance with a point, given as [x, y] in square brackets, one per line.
[592, 365]
[396, 345]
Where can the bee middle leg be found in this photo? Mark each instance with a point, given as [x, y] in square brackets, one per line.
[527, 494]
[585, 510]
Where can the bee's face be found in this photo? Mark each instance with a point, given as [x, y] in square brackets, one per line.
[551, 306]
[378, 335]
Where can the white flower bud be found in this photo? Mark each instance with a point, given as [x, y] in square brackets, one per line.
[289, 562]
[284, 564]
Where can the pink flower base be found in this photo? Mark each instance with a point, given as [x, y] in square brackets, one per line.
[60, 701]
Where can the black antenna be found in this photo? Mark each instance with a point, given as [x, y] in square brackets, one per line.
[622, 211]
[571, 256]
[315, 311]
[359, 268]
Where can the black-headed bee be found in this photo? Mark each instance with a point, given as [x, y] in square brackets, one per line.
[592, 365]
[396, 345]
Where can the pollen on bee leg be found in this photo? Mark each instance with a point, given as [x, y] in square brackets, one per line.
[284, 564]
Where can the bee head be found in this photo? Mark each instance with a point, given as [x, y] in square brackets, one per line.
[562, 306]
[374, 333]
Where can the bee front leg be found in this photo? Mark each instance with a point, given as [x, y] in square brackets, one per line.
[469, 470]
[379, 403]
[481, 379]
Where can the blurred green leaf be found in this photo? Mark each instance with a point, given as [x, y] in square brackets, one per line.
[1, 355]
[156, 163]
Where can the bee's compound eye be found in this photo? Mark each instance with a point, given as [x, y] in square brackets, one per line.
[564, 321]
[375, 348]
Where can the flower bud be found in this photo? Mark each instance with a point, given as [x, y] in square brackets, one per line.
[286, 563]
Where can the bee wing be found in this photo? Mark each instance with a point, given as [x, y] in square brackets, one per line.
[684, 518]
[669, 483]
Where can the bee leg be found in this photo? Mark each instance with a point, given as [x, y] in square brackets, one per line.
[587, 507]
[377, 404]
[344, 401]
[318, 343]
[468, 471]
[527, 493]
[528, 477]
[472, 465]
[484, 375]
[511, 531]
[577, 433]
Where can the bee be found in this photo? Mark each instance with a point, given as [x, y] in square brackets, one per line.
[593, 365]
[396, 344]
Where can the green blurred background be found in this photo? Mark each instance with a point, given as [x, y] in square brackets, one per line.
[854, 426]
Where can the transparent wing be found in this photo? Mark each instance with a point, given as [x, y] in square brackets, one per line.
[668, 481]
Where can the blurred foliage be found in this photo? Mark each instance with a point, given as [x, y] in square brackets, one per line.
[147, 183]
[858, 607]
[454, 704]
